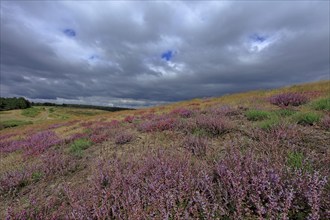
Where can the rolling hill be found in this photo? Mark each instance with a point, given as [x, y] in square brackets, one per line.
[254, 155]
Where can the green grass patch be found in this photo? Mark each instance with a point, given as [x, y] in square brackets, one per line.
[77, 147]
[321, 104]
[296, 160]
[284, 112]
[257, 115]
[51, 110]
[307, 118]
[13, 123]
[36, 176]
[269, 123]
[31, 112]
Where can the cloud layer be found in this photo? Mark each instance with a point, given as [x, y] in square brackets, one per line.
[146, 53]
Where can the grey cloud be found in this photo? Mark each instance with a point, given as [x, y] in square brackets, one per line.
[214, 52]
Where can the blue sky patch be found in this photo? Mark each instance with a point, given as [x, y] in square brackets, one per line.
[93, 57]
[258, 38]
[69, 32]
[167, 55]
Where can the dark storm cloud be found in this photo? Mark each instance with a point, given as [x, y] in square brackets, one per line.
[146, 53]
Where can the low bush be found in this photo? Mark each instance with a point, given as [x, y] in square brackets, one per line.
[39, 142]
[182, 112]
[160, 123]
[251, 185]
[155, 187]
[257, 115]
[287, 99]
[129, 119]
[123, 137]
[213, 125]
[13, 181]
[57, 163]
[307, 118]
[325, 123]
[196, 145]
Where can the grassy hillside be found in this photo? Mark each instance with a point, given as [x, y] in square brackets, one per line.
[254, 155]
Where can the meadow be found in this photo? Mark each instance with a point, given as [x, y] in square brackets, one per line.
[253, 155]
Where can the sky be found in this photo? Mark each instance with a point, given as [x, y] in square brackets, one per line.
[138, 54]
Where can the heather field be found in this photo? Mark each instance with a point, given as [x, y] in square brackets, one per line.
[254, 155]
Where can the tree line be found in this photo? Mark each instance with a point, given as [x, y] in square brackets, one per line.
[14, 103]
[105, 108]
[22, 103]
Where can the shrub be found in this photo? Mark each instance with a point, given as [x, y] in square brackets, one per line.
[254, 186]
[257, 115]
[160, 123]
[286, 99]
[214, 125]
[123, 137]
[159, 186]
[41, 141]
[12, 181]
[321, 104]
[222, 110]
[167, 185]
[57, 163]
[129, 119]
[182, 112]
[308, 118]
[79, 145]
[196, 145]
[276, 135]
[325, 123]
[98, 137]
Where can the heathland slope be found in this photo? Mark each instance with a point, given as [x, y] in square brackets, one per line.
[260, 154]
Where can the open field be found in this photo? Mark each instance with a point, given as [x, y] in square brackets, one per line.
[254, 155]
[43, 114]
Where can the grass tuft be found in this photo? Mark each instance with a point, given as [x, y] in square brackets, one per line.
[321, 104]
[285, 112]
[77, 147]
[269, 123]
[257, 115]
[307, 118]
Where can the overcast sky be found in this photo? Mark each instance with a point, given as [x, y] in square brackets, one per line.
[144, 53]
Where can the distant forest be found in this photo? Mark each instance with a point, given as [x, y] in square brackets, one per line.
[14, 103]
[105, 108]
[21, 103]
